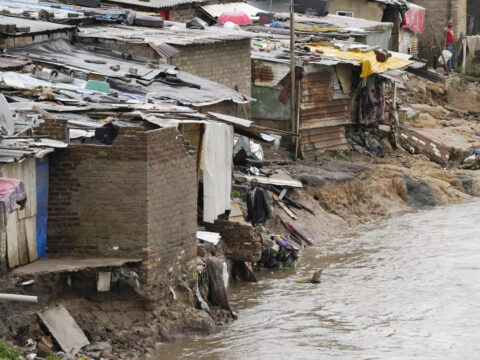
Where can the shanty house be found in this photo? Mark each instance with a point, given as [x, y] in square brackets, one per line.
[329, 84]
[15, 31]
[215, 54]
[136, 196]
[408, 19]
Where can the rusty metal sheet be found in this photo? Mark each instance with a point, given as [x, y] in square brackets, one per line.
[267, 73]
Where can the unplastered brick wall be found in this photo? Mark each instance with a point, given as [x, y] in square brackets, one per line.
[135, 198]
[171, 203]
[227, 63]
[241, 243]
[183, 13]
[438, 13]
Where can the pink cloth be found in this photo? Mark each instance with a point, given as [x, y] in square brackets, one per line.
[414, 18]
[236, 17]
[12, 191]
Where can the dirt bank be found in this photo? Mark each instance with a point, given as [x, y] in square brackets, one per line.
[129, 323]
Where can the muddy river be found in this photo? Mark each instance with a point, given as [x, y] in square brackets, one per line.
[403, 288]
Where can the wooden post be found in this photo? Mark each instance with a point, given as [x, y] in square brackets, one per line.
[292, 69]
[464, 64]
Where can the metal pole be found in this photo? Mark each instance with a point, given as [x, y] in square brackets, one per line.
[22, 298]
[292, 68]
[464, 65]
[395, 95]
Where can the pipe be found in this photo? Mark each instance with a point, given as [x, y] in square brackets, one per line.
[22, 298]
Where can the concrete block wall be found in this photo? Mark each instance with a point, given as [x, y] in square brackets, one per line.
[135, 198]
[227, 63]
[438, 13]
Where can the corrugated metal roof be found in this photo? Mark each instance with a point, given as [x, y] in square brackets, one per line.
[174, 35]
[191, 90]
[394, 2]
[35, 26]
[156, 4]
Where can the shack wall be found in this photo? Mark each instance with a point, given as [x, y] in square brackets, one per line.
[324, 111]
[227, 63]
[363, 9]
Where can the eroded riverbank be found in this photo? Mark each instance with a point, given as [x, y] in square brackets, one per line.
[400, 288]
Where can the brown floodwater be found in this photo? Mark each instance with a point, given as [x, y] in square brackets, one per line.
[404, 288]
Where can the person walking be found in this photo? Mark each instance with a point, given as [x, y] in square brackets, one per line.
[449, 41]
[257, 206]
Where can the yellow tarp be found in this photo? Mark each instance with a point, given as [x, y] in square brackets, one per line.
[368, 59]
[316, 28]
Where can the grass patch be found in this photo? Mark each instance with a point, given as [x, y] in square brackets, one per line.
[8, 352]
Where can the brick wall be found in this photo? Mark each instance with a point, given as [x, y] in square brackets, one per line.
[135, 198]
[171, 203]
[227, 63]
[240, 242]
[438, 13]
[53, 129]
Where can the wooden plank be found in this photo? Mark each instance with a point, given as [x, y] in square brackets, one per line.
[12, 244]
[31, 231]
[22, 242]
[283, 206]
[103, 281]
[29, 177]
[64, 329]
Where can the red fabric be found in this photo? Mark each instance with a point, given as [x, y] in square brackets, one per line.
[414, 18]
[8, 185]
[236, 17]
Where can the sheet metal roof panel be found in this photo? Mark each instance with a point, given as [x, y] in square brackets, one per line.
[174, 35]
[342, 22]
[156, 4]
[35, 26]
[61, 52]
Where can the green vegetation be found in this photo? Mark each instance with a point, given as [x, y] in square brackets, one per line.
[8, 352]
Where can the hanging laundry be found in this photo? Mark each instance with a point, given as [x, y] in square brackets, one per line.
[373, 101]
[12, 192]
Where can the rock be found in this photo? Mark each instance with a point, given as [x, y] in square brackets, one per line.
[43, 350]
[217, 286]
[467, 184]
[99, 346]
[419, 194]
[316, 277]
[400, 187]
[436, 111]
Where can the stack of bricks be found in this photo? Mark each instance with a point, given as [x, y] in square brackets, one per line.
[240, 241]
[135, 198]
